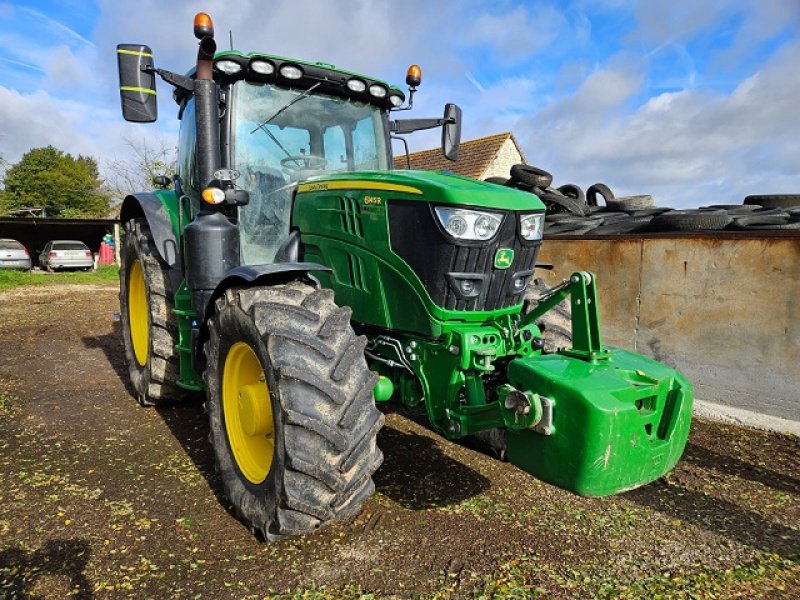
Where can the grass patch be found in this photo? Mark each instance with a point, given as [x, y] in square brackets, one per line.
[13, 279]
[5, 402]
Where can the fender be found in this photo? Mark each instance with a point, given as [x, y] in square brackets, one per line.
[248, 276]
[151, 207]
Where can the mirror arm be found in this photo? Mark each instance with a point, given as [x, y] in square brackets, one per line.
[410, 125]
[179, 81]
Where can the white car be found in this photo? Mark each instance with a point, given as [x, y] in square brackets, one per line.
[14, 255]
[66, 254]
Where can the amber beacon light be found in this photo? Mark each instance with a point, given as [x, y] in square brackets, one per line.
[414, 76]
[203, 26]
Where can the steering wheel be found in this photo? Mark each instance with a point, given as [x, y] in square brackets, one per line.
[302, 162]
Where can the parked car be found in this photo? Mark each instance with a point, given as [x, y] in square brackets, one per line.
[66, 254]
[14, 255]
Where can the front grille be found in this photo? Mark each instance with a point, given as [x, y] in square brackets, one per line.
[417, 239]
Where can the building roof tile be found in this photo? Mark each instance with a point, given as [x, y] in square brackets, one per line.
[474, 156]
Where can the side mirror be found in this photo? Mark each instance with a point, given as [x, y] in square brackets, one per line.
[137, 83]
[451, 131]
[162, 181]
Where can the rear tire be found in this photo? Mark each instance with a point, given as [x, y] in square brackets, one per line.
[155, 371]
[324, 421]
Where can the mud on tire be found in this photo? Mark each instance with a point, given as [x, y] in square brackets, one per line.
[155, 381]
[321, 392]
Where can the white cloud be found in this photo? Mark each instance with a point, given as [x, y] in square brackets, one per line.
[686, 148]
[31, 120]
[64, 69]
[516, 34]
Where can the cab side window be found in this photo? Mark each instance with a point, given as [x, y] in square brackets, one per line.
[187, 139]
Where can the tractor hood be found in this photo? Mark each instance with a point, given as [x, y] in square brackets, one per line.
[441, 188]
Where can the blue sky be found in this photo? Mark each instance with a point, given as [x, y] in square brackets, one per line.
[693, 102]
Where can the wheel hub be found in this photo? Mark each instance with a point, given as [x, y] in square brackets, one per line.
[254, 409]
[138, 311]
[247, 412]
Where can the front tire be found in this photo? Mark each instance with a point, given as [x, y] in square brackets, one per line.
[149, 327]
[291, 410]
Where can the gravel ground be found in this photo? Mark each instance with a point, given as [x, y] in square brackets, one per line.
[101, 498]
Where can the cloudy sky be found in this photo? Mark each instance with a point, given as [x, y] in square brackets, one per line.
[693, 102]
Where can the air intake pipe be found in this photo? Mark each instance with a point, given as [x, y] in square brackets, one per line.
[211, 241]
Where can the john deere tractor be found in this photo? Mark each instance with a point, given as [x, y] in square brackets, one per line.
[297, 280]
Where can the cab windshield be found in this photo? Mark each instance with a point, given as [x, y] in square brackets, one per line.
[283, 137]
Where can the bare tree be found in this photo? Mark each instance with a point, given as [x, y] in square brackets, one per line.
[146, 158]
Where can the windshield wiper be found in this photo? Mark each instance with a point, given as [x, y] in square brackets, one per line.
[287, 105]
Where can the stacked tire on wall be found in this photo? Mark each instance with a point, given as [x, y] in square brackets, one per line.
[597, 211]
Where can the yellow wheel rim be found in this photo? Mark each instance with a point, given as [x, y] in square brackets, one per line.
[138, 313]
[247, 411]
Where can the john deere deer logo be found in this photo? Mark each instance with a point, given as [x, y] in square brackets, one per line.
[503, 258]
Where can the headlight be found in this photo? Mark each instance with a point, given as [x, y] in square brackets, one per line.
[228, 66]
[264, 67]
[396, 100]
[469, 224]
[531, 227]
[377, 90]
[356, 85]
[291, 72]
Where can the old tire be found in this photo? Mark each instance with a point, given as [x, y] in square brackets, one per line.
[759, 219]
[631, 203]
[690, 220]
[149, 327]
[619, 226]
[556, 202]
[289, 351]
[598, 188]
[774, 200]
[531, 176]
[573, 191]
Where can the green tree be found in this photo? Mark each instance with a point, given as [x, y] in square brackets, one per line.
[48, 177]
[144, 158]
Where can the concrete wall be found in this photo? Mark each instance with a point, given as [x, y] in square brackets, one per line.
[724, 309]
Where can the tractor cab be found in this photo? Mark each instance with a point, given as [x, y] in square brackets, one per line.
[280, 137]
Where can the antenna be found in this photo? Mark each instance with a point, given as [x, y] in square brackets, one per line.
[230, 35]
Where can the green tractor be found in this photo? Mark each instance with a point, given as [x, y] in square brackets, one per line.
[297, 280]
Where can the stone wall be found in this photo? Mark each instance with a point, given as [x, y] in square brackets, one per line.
[501, 164]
